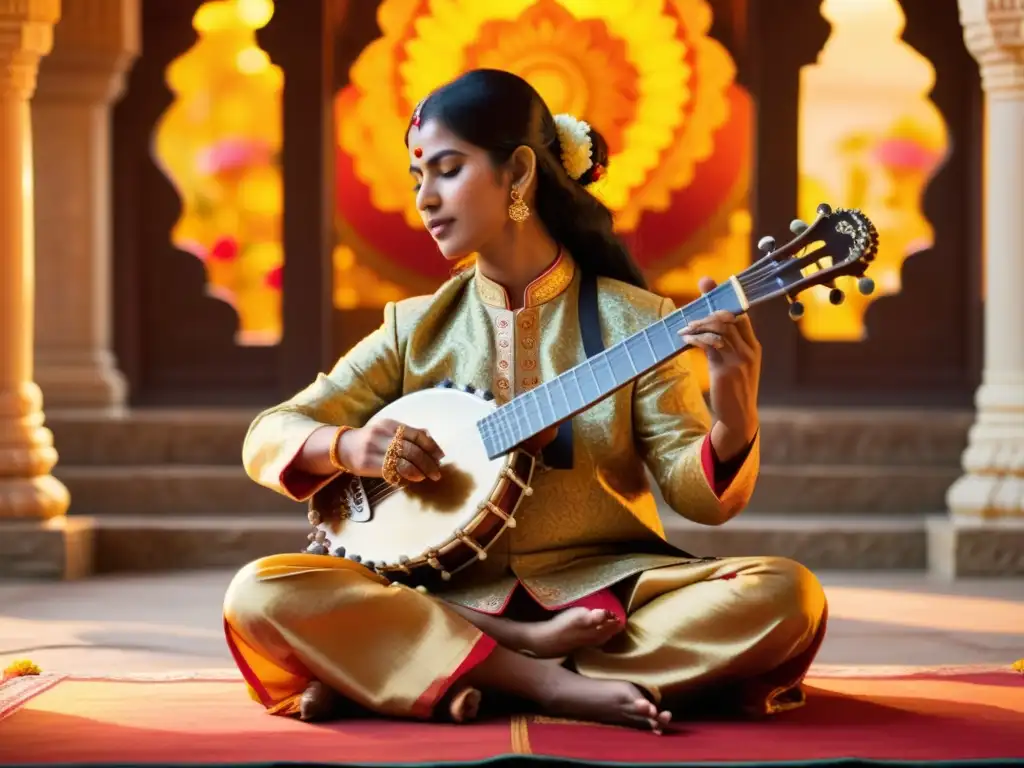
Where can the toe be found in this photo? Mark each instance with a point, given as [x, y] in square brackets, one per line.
[644, 708]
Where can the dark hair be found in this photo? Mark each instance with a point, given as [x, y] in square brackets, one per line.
[499, 112]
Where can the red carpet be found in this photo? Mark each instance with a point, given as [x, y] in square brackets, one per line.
[967, 717]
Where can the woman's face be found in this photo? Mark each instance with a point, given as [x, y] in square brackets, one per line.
[461, 198]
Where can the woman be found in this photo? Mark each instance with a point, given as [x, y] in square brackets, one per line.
[586, 576]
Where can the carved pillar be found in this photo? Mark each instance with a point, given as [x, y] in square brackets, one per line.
[27, 490]
[94, 45]
[986, 531]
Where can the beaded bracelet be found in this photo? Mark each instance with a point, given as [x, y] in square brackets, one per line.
[333, 455]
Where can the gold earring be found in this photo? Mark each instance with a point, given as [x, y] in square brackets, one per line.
[519, 211]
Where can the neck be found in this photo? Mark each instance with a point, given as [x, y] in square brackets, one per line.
[522, 253]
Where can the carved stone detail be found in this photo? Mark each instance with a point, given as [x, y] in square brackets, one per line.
[994, 34]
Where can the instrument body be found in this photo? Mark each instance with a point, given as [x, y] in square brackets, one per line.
[442, 525]
[419, 530]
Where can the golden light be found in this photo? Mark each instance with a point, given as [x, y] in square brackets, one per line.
[217, 143]
[870, 138]
[252, 60]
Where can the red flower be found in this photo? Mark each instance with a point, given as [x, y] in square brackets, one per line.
[275, 278]
[225, 249]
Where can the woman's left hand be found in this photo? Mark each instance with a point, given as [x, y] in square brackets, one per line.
[734, 364]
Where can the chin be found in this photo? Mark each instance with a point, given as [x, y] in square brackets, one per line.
[453, 251]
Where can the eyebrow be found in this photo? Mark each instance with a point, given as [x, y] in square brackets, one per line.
[436, 158]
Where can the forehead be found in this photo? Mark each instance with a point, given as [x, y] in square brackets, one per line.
[432, 136]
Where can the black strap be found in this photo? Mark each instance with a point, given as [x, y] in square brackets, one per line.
[558, 453]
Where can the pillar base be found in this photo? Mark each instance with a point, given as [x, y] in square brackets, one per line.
[40, 498]
[57, 549]
[969, 547]
[72, 383]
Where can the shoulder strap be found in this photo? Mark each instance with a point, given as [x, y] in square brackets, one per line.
[558, 453]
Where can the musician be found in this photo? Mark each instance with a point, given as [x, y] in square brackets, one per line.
[642, 627]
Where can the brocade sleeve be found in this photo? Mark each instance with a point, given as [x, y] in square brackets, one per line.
[671, 423]
[362, 382]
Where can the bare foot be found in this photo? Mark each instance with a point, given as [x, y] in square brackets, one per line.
[568, 631]
[318, 703]
[605, 701]
[465, 705]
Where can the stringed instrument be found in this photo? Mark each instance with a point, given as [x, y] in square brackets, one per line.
[412, 532]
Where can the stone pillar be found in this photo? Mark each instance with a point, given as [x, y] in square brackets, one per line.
[36, 538]
[984, 534]
[94, 44]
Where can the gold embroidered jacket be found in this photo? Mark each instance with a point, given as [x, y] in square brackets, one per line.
[584, 528]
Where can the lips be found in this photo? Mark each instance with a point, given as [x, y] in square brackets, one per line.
[440, 227]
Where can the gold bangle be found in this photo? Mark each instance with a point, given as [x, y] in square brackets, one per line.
[333, 455]
[391, 456]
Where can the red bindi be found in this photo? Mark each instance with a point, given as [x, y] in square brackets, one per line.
[418, 152]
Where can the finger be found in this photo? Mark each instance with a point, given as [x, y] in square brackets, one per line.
[704, 340]
[706, 285]
[746, 331]
[422, 460]
[409, 471]
[423, 439]
[734, 339]
[716, 322]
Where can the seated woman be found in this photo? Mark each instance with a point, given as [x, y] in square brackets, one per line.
[583, 610]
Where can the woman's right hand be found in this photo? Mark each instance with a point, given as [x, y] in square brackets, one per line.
[362, 451]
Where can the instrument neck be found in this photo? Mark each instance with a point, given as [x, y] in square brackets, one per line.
[586, 384]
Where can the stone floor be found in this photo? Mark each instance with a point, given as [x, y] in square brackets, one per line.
[172, 622]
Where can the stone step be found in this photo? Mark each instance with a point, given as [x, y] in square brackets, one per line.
[150, 436]
[821, 542]
[887, 437]
[863, 489]
[171, 489]
[134, 544]
[77, 547]
[175, 489]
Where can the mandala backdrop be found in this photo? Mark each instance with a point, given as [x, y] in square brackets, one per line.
[644, 72]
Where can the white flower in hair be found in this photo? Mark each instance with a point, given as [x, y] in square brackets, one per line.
[577, 148]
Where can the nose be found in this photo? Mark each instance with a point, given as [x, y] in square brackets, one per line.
[427, 198]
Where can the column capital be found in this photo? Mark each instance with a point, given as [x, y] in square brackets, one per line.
[994, 34]
[93, 46]
[26, 35]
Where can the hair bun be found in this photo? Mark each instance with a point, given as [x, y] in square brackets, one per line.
[582, 149]
[599, 159]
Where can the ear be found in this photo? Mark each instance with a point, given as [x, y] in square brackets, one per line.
[523, 170]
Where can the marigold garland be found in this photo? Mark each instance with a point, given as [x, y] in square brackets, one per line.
[20, 668]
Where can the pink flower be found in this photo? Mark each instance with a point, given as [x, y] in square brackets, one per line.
[274, 278]
[224, 249]
[232, 154]
[904, 154]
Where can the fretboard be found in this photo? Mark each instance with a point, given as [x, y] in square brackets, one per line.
[586, 384]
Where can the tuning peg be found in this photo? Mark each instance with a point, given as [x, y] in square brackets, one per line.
[766, 244]
[824, 209]
[798, 226]
[836, 297]
[866, 286]
[796, 309]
